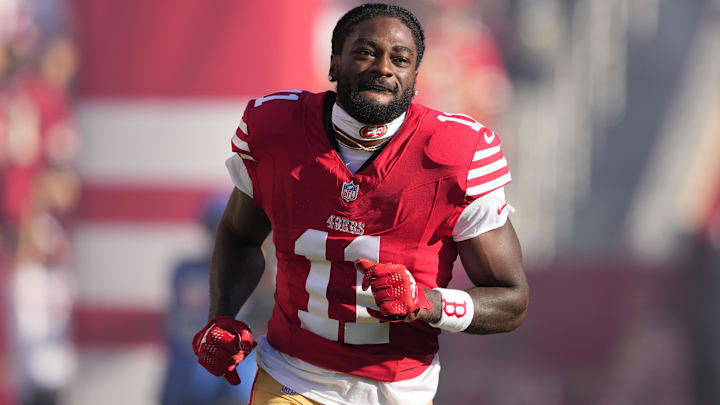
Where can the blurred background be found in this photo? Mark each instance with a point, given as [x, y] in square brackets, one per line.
[116, 118]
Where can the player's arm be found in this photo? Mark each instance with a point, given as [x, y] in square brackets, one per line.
[235, 270]
[493, 262]
[489, 250]
[497, 303]
[499, 300]
[237, 259]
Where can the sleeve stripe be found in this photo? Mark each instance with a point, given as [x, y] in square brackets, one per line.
[486, 161]
[487, 169]
[240, 144]
[246, 157]
[488, 177]
[482, 154]
[489, 186]
[243, 126]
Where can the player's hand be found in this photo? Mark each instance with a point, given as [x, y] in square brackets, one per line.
[394, 289]
[221, 345]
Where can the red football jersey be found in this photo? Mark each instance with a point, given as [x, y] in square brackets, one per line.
[400, 208]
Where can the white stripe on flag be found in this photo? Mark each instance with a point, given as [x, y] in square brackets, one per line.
[243, 126]
[482, 154]
[155, 125]
[240, 144]
[489, 186]
[487, 169]
[117, 246]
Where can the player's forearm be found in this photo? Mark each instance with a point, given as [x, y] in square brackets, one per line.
[235, 271]
[499, 300]
[496, 309]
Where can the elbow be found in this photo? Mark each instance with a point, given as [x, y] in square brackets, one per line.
[519, 309]
[518, 319]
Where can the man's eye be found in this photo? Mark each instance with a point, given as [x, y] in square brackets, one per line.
[364, 52]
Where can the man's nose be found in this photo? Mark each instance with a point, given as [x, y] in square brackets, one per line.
[383, 66]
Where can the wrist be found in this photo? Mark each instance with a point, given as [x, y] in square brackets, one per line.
[431, 315]
[214, 318]
[456, 310]
[222, 308]
[424, 314]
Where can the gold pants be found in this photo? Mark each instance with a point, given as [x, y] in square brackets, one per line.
[267, 391]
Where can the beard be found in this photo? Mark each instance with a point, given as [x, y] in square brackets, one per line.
[369, 112]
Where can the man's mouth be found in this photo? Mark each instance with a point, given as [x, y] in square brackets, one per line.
[377, 88]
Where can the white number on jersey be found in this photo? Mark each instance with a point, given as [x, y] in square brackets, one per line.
[278, 96]
[469, 121]
[365, 330]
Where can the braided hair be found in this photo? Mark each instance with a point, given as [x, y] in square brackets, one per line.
[352, 18]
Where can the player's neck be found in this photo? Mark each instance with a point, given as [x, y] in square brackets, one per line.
[355, 129]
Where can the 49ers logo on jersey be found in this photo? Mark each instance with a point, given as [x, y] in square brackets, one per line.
[342, 224]
[349, 191]
[373, 131]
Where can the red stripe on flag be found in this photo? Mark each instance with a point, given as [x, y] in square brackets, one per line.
[117, 326]
[134, 203]
[193, 48]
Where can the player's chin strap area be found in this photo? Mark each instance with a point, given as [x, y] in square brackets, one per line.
[355, 129]
[353, 144]
[457, 310]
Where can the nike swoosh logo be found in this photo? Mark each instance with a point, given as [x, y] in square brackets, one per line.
[502, 208]
[490, 138]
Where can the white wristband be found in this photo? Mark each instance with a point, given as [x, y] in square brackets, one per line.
[456, 310]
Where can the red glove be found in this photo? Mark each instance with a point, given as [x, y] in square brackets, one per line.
[394, 289]
[221, 345]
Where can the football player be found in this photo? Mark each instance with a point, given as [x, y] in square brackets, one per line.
[370, 198]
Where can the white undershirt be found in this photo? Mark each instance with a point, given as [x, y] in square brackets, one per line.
[353, 158]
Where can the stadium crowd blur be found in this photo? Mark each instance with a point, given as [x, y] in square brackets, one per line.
[608, 112]
[38, 189]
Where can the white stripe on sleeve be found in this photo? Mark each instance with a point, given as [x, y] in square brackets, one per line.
[482, 154]
[240, 144]
[243, 126]
[490, 185]
[487, 169]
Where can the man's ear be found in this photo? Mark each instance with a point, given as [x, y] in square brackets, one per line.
[332, 74]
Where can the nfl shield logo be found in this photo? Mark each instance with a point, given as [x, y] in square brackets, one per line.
[349, 191]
